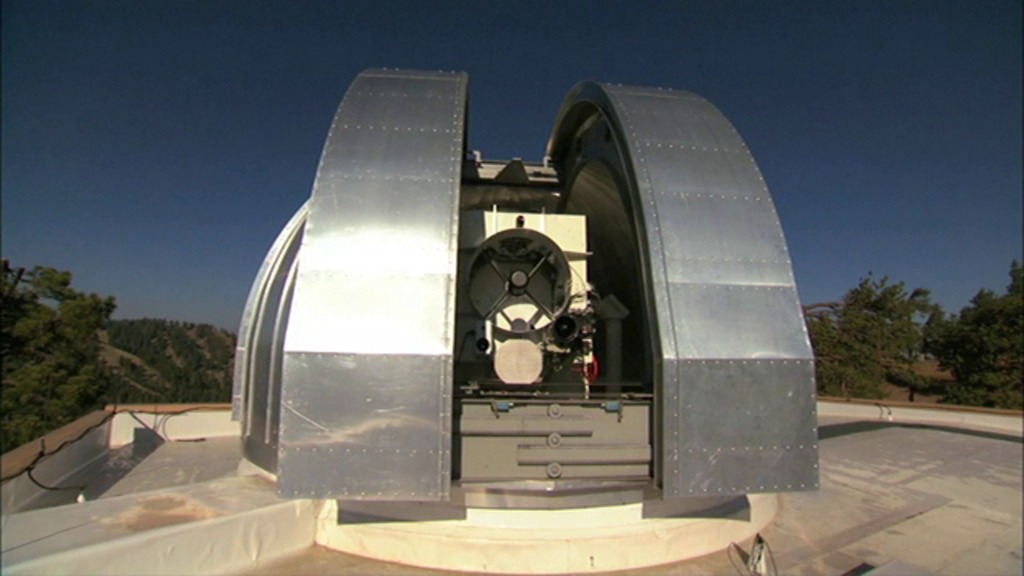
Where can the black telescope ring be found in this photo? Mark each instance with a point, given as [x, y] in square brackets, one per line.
[520, 266]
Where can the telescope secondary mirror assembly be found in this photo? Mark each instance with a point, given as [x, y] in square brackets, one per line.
[619, 323]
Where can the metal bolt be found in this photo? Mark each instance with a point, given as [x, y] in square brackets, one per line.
[554, 470]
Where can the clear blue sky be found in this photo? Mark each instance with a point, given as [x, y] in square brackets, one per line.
[155, 149]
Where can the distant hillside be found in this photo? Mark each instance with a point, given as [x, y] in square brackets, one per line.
[167, 361]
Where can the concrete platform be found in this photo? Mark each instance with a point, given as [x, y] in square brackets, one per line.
[574, 541]
[171, 531]
[895, 498]
[903, 491]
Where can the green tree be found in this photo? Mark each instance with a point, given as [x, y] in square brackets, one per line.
[50, 343]
[872, 336]
[193, 362]
[984, 348]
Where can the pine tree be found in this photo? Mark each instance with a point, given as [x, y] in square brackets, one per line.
[984, 348]
[50, 343]
[874, 335]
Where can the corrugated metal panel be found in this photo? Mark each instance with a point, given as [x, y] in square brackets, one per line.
[363, 426]
[264, 277]
[744, 426]
[258, 356]
[367, 393]
[733, 363]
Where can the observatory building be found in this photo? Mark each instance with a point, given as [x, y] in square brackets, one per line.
[619, 322]
[591, 363]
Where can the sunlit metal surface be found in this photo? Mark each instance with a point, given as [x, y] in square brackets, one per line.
[366, 401]
[724, 327]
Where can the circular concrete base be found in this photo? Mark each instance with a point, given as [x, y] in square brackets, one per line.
[543, 541]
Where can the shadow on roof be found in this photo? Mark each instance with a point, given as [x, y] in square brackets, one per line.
[836, 430]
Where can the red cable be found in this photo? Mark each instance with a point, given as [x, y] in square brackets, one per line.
[593, 370]
[590, 370]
